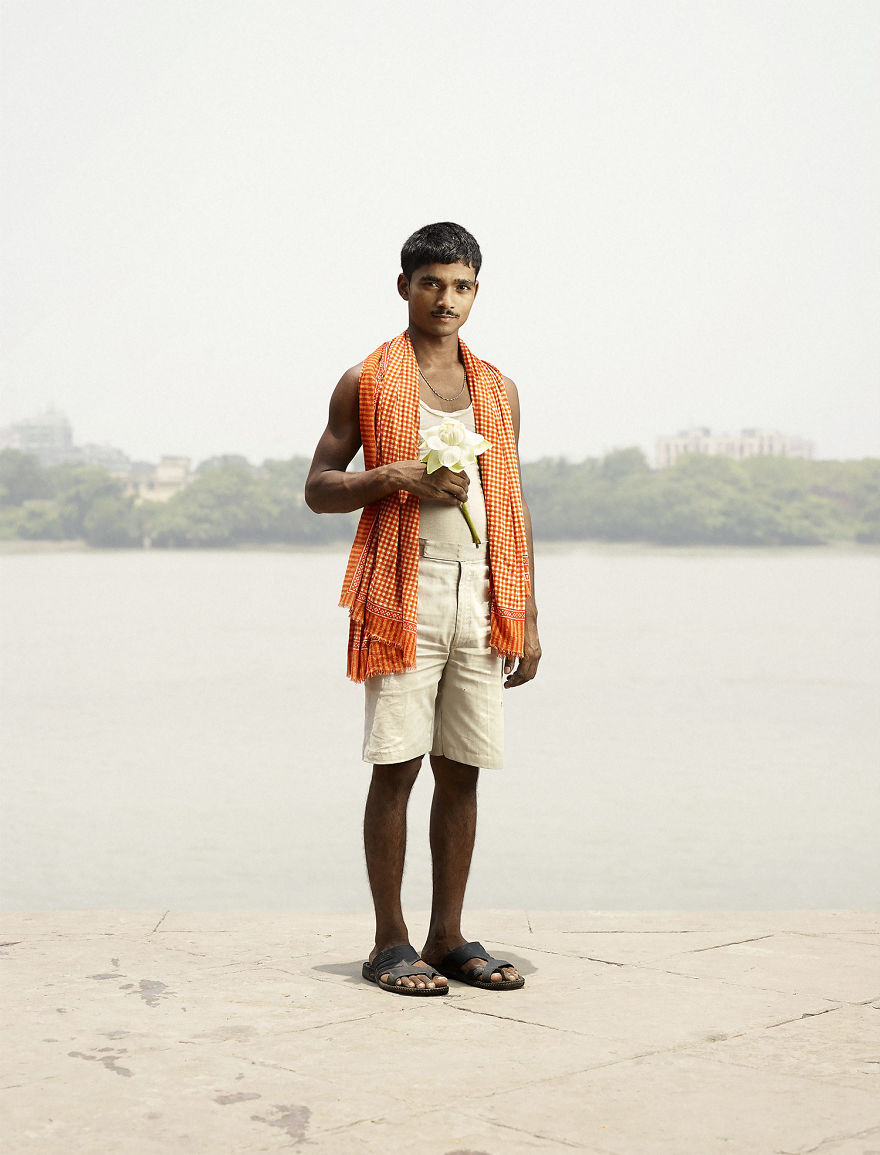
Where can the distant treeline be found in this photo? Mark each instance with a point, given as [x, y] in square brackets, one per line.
[229, 502]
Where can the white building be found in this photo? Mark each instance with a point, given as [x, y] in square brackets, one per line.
[747, 443]
[49, 437]
[159, 482]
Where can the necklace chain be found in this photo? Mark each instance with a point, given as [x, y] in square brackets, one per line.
[440, 395]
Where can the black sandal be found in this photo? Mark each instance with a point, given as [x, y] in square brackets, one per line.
[396, 962]
[455, 960]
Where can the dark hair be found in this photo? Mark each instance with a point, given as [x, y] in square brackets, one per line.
[443, 243]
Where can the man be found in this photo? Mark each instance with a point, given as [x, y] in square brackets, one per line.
[437, 620]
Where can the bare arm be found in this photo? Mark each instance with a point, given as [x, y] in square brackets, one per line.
[528, 663]
[330, 488]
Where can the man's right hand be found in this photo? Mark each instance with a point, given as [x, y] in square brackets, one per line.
[441, 485]
[330, 488]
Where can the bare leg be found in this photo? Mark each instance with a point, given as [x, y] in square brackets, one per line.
[385, 849]
[453, 830]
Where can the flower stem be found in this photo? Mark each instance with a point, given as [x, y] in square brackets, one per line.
[464, 509]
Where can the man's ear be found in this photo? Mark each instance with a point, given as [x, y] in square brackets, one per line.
[403, 287]
[476, 288]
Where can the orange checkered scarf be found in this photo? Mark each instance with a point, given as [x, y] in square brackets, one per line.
[381, 586]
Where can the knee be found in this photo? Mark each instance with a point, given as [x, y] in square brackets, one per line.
[397, 777]
[452, 776]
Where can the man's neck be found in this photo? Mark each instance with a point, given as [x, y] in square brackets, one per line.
[434, 352]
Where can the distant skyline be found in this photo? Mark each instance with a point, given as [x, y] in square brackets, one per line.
[650, 451]
[676, 202]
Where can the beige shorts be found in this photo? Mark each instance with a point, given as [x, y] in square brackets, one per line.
[451, 702]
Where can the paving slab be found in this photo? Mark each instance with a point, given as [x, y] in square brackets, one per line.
[644, 1008]
[452, 1133]
[822, 965]
[741, 923]
[675, 1103]
[840, 1046]
[154, 1032]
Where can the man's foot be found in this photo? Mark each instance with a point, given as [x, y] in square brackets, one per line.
[436, 950]
[413, 981]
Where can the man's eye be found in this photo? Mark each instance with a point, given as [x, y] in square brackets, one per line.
[464, 288]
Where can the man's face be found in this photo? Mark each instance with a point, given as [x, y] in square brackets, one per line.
[439, 297]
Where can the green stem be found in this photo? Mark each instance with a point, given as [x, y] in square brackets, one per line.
[464, 509]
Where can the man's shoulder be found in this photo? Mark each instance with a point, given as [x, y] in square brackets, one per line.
[351, 376]
[495, 372]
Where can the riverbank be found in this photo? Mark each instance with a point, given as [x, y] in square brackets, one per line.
[151, 1032]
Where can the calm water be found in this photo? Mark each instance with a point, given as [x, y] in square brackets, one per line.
[704, 733]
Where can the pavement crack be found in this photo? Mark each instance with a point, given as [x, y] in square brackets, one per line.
[834, 1139]
[721, 945]
[537, 1134]
[541, 949]
[742, 986]
[505, 1018]
[265, 1063]
[843, 934]
[529, 923]
[805, 1015]
[159, 923]
[338, 1022]
[341, 1128]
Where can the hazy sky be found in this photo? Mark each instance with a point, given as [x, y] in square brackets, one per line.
[676, 202]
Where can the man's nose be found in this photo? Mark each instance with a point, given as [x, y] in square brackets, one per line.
[444, 300]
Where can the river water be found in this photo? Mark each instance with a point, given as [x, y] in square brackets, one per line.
[704, 733]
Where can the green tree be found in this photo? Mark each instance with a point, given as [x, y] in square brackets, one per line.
[112, 521]
[77, 489]
[695, 497]
[40, 520]
[21, 478]
[291, 519]
[224, 506]
[224, 461]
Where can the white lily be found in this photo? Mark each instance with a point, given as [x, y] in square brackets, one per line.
[453, 445]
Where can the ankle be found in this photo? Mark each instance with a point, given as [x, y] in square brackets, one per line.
[443, 933]
[391, 934]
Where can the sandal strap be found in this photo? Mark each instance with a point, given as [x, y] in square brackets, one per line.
[492, 965]
[392, 956]
[404, 970]
[397, 962]
[464, 953]
[456, 958]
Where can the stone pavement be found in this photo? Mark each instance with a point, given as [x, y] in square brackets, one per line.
[688, 1033]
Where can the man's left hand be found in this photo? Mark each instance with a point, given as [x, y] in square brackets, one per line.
[527, 666]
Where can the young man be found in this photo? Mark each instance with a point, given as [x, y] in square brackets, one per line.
[437, 621]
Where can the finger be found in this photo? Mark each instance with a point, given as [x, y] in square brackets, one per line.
[524, 672]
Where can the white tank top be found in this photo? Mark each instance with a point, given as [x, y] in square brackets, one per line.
[441, 522]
